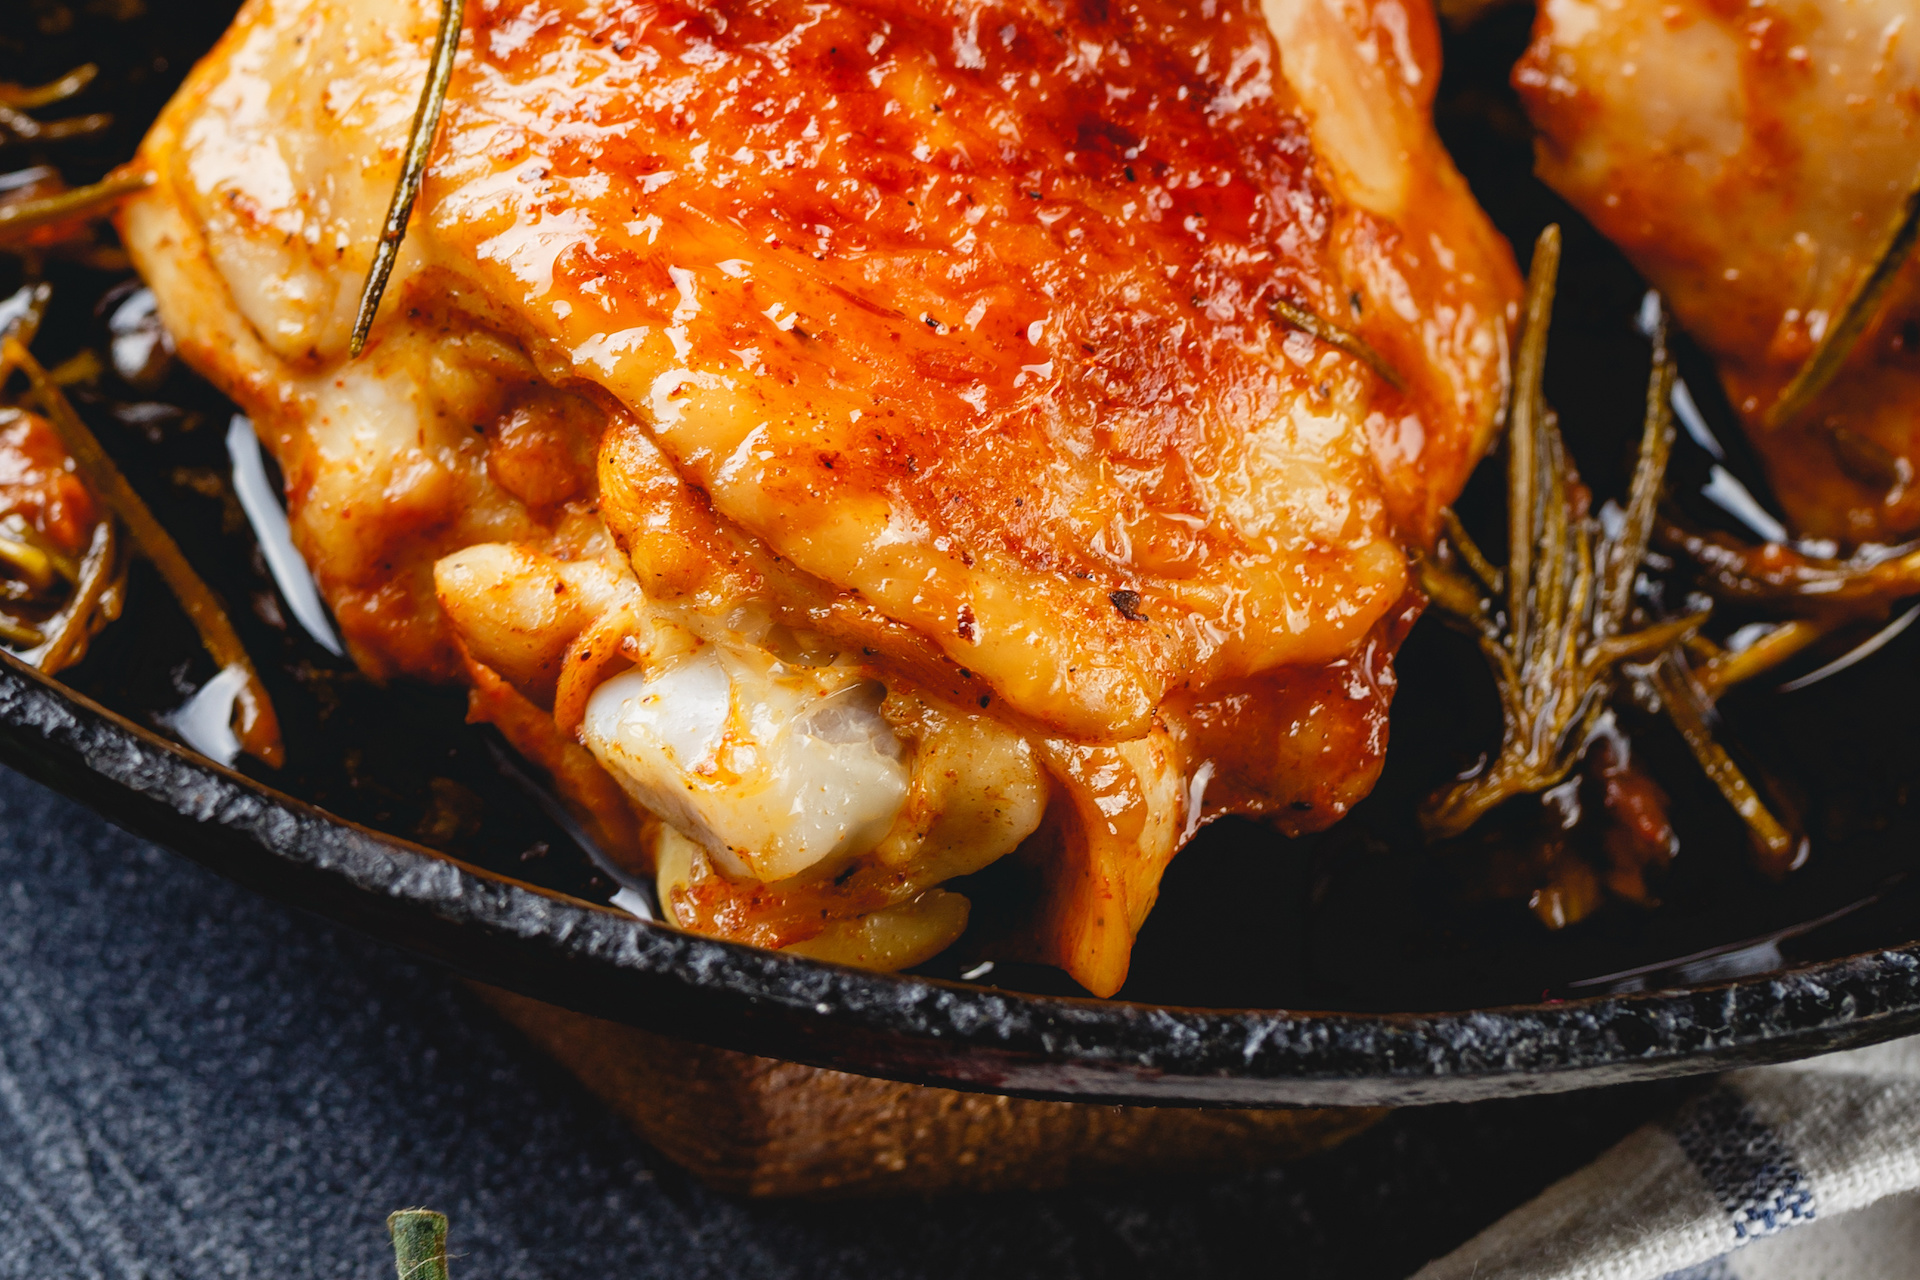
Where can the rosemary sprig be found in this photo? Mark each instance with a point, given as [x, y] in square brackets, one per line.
[413, 170]
[419, 1243]
[1843, 332]
[1569, 582]
[1571, 633]
[1337, 338]
[258, 729]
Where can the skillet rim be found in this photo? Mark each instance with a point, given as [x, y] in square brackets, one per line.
[600, 961]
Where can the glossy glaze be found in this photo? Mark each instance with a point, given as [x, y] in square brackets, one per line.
[39, 484]
[937, 335]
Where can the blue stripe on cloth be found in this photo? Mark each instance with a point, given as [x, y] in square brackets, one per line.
[1751, 1172]
[1714, 1270]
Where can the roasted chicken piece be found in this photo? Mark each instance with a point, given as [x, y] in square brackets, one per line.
[848, 442]
[62, 561]
[1750, 160]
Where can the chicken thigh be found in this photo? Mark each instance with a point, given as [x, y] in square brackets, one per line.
[848, 442]
[1750, 160]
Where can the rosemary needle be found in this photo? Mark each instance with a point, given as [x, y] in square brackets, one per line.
[413, 170]
[1724, 669]
[1526, 424]
[18, 126]
[1690, 709]
[18, 220]
[24, 98]
[1841, 335]
[258, 728]
[1339, 339]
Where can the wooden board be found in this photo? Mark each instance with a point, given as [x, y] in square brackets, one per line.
[757, 1127]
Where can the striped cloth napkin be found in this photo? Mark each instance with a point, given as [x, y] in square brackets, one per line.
[1809, 1171]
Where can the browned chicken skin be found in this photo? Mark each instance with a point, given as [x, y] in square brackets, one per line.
[1749, 158]
[905, 375]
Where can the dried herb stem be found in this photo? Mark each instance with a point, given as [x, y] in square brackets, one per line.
[258, 729]
[1655, 637]
[1843, 332]
[24, 98]
[1625, 554]
[16, 100]
[1482, 569]
[1691, 710]
[1724, 669]
[419, 1244]
[81, 368]
[1527, 427]
[1339, 339]
[413, 169]
[19, 220]
[18, 126]
[1780, 576]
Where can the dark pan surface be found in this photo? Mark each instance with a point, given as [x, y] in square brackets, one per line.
[453, 860]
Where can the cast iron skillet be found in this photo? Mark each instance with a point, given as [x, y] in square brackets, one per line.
[602, 962]
[1428, 987]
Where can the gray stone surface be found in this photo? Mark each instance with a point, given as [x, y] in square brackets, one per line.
[197, 1082]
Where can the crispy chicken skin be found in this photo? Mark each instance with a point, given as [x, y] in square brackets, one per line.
[1749, 159]
[895, 384]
